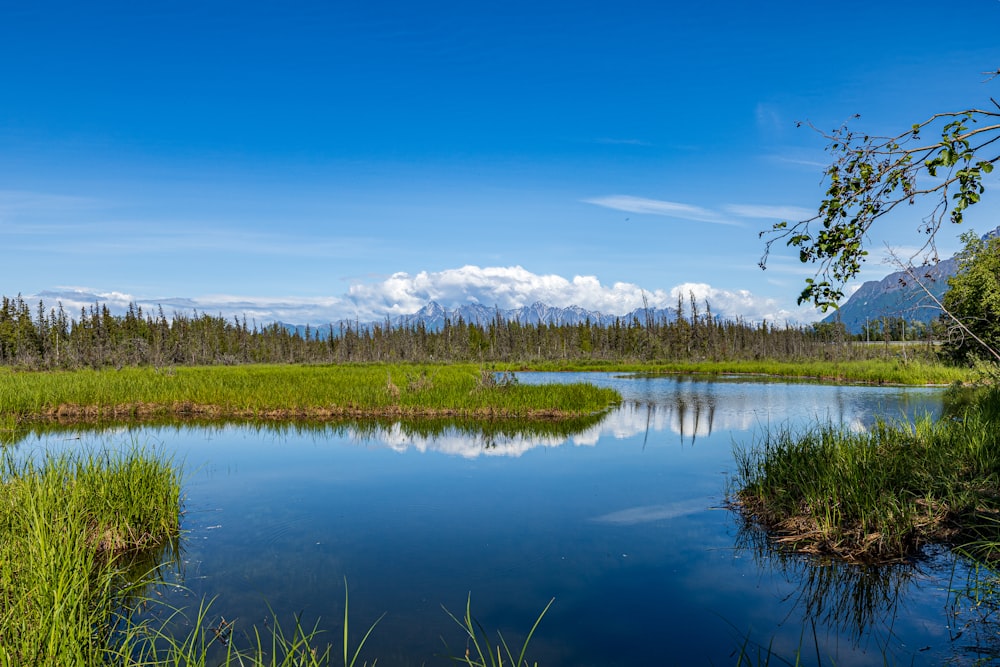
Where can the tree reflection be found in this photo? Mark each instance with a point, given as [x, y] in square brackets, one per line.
[689, 416]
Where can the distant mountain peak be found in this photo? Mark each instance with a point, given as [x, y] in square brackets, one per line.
[433, 316]
[900, 294]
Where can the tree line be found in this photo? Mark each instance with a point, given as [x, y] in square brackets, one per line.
[40, 337]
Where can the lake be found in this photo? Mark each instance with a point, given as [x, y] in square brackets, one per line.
[624, 523]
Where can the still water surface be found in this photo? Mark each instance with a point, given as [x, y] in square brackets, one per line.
[623, 524]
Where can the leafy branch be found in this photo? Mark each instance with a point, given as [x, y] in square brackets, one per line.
[871, 176]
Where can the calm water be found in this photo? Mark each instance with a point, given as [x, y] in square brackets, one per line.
[623, 524]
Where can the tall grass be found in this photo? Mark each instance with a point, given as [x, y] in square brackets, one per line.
[881, 494]
[71, 528]
[480, 652]
[275, 392]
[214, 641]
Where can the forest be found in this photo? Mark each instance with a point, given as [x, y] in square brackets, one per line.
[34, 337]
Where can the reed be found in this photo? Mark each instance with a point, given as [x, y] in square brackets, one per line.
[71, 529]
[212, 640]
[283, 392]
[480, 652]
[878, 495]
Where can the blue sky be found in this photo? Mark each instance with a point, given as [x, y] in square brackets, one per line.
[330, 159]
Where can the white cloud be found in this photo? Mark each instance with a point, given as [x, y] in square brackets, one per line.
[504, 287]
[792, 213]
[262, 310]
[670, 209]
[730, 303]
[403, 294]
[622, 142]
[768, 118]
[30, 202]
[787, 159]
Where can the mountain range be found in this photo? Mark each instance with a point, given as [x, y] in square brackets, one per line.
[900, 294]
[432, 316]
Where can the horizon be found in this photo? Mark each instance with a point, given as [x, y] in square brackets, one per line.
[334, 162]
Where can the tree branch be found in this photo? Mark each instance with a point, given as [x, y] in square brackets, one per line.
[871, 176]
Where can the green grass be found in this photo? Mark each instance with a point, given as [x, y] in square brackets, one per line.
[211, 640]
[73, 530]
[284, 392]
[870, 371]
[882, 494]
[480, 652]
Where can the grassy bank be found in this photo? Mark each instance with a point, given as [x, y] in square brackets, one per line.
[871, 371]
[879, 495]
[78, 530]
[286, 391]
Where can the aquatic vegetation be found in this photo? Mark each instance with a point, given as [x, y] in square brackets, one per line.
[212, 640]
[72, 527]
[878, 495]
[479, 652]
[290, 392]
[216, 641]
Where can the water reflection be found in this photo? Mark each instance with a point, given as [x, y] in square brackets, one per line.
[849, 599]
[694, 407]
[651, 513]
[876, 607]
[975, 611]
[468, 438]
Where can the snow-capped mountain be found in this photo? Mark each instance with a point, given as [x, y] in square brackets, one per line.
[433, 316]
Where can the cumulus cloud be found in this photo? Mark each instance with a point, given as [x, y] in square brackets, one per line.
[504, 287]
[403, 294]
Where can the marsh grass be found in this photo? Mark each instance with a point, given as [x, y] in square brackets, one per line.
[212, 640]
[480, 652]
[289, 392]
[866, 371]
[881, 494]
[72, 529]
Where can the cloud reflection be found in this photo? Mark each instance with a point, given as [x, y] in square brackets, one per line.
[650, 513]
